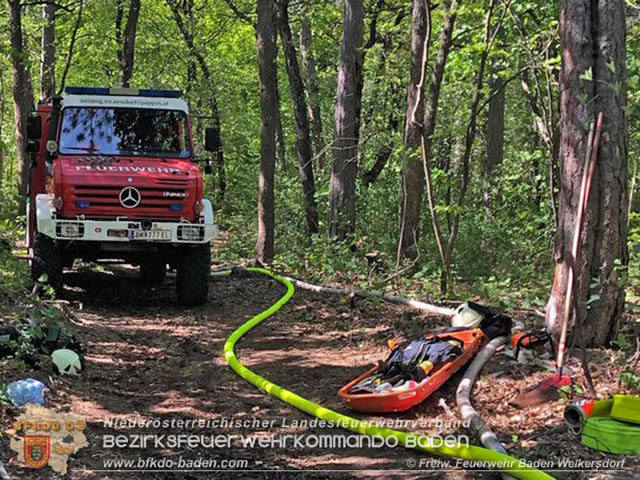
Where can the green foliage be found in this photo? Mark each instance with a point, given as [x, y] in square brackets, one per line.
[630, 380]
[4, 399]
[14, 277]
[503, 252]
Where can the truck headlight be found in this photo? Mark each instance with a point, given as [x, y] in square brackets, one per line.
[190, 233]
[69, 230]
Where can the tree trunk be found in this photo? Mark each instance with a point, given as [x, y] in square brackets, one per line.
[592, 80]
[2, 100]
[72, 43]
[129, 44]
[412, 178]
[281, 143]
[411, 202]
[47, 65]
[266, 30]
[344, 166]
[391, 107]
[303, 136]
[218, 156]
[22, 98]
[383, 155]
[311, 77]
[494, 135]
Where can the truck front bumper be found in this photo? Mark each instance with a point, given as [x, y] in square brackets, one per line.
[122, 229]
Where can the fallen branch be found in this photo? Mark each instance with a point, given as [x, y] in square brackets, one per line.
[426, 308]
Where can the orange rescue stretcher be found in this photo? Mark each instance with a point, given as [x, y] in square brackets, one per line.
[399, 401]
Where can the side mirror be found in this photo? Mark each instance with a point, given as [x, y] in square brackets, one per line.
[211, 139]
[33, 146]
[34, 126]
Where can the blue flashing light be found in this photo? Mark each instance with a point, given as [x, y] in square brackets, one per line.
[145, 92]
[175, 207]
[82, 204]
[160, 93]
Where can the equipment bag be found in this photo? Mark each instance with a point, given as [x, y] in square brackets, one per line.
[415, 360]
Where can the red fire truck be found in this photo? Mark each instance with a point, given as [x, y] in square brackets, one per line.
[114, 177]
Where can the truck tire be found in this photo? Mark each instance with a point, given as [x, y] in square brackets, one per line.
[193, 271]
[153, 271]
[47, 260]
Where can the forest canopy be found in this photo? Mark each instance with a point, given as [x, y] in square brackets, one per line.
[363, 91]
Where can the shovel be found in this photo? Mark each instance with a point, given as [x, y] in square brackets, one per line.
[547, 390]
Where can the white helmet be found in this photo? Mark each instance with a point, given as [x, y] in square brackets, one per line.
[466, 317]
[67, 361]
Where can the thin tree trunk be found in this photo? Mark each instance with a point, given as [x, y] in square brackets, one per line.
[413, 170]
[382, 157]
[177, 10]
[412, 178]
[543, 106]
[344, 166]
[22, 97]
[311, 78]
[2, 103]
[47, 65]
[266, 30]
[72, 43]
[281, 144]
[303, 136]
[129, 44]
[592, 39]
[118, 29]
[468, 145]
[395, 99]
[495, 126]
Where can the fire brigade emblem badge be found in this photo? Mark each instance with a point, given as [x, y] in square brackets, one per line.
[36, 450]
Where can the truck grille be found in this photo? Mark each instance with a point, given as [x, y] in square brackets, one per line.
[102, 200]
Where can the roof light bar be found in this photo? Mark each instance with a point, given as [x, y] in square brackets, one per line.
[143, 92]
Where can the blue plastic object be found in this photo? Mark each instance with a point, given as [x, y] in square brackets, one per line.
[26, 391]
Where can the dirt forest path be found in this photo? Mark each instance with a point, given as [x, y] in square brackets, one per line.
[148, 359]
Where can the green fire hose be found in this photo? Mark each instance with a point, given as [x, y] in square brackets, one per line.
[496, 460]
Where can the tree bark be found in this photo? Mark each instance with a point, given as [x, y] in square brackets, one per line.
[494, 135]
[592, 80]
[344, 166]
[412, 178]
[311, 78]
[303, 136]
[129, 44]
[281, 143]
[2, 103]
[47, 63]
[22, 97]
[266, 30]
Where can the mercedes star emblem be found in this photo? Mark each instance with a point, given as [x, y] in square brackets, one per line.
[130, 197]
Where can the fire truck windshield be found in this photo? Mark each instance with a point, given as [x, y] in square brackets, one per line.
[124, 131]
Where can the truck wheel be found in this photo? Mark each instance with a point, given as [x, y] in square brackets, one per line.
[153, 271]
[192, 280]
[47, 260]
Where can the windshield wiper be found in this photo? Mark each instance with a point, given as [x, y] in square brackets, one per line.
[88, 149]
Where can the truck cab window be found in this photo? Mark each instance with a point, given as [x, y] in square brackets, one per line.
[124, 131]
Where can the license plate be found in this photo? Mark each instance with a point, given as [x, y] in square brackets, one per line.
[158, 235]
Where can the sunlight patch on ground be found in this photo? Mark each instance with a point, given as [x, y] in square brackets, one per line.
[176, 402]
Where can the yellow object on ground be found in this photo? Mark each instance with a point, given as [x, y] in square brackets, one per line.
[626, 408]
[409, 440]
